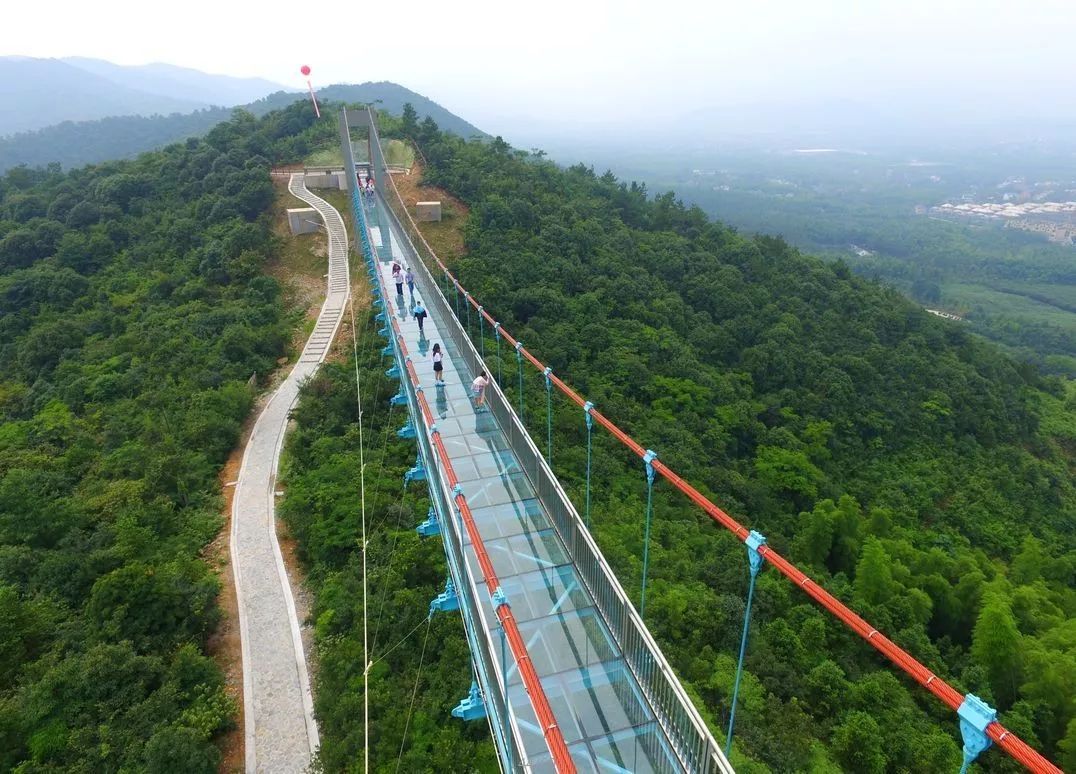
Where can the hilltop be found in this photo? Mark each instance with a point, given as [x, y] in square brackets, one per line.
[74, 143]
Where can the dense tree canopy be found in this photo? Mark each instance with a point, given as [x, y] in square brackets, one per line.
[133, 311]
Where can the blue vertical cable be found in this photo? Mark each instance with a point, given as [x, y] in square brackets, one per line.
[648, 460]
[548, 415]
[519, 359]
[481, 335]
[456, 284]
[497, 335]
[590, 429]
[467, 304]
[504, 689]
[754, 541]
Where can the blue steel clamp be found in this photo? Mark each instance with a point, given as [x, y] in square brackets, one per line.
[648, 460]
[975, 715]
[497, 330]
[587, 408]
[499, 599]
[754, 541]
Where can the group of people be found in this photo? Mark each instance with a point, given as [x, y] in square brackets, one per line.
[404, 276]
[400, 277]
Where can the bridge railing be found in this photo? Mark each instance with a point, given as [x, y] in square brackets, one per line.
[691, 741]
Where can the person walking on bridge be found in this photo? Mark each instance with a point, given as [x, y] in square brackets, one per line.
[409, 278]
[420, 314]
[438, 364]
[398, 278]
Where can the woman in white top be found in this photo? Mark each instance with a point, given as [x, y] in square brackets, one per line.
[478, 387]
[438, 365]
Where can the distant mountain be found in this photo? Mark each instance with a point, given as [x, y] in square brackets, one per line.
[74, 144]
[386, 96]
[40, 92]
[35, 93]
[179, 82]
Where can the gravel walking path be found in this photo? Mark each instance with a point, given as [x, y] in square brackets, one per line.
[281, 735]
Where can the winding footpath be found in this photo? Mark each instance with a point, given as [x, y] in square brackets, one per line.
[278, 709]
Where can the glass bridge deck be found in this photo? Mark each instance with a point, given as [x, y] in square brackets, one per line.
[606, 723]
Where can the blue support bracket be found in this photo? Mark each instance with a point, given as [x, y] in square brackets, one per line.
[472, 707]
[384, 332]
[399, 399]
[975, 715]
[430, 527]
[499, 599]
[380, 317]
[393, 372]
[417, 473]
[388, 351]
[446, 601]
[407, 431]
[378, 303]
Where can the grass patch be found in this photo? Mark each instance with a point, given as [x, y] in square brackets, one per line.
[397, 154]
[981, 301]
[325, 157]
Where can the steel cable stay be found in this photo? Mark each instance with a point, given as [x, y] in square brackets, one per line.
[362, 501]
[979, 726]
[414, 691]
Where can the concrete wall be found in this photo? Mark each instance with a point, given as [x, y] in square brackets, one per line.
[303, 220]
[428, 212]
[334, 180]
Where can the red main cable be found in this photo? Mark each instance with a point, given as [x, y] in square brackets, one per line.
[1012, 744]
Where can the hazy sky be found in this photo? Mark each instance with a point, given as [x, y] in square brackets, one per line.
[501, 63]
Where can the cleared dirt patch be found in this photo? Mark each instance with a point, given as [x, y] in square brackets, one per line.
[446, 237]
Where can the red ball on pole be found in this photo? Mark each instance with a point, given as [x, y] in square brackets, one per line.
[305, 70]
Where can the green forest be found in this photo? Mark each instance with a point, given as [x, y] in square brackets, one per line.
[918, 472]
[133, 312]
[1010, 286]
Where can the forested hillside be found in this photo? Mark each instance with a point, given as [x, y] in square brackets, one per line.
[74, 143]
[916, 471]
[133, 311]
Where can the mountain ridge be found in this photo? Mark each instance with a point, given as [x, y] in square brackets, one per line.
[74, 143]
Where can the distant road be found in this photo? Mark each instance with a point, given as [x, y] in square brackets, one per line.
[278, 708]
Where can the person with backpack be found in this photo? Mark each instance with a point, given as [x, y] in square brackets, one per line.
[419, 312]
